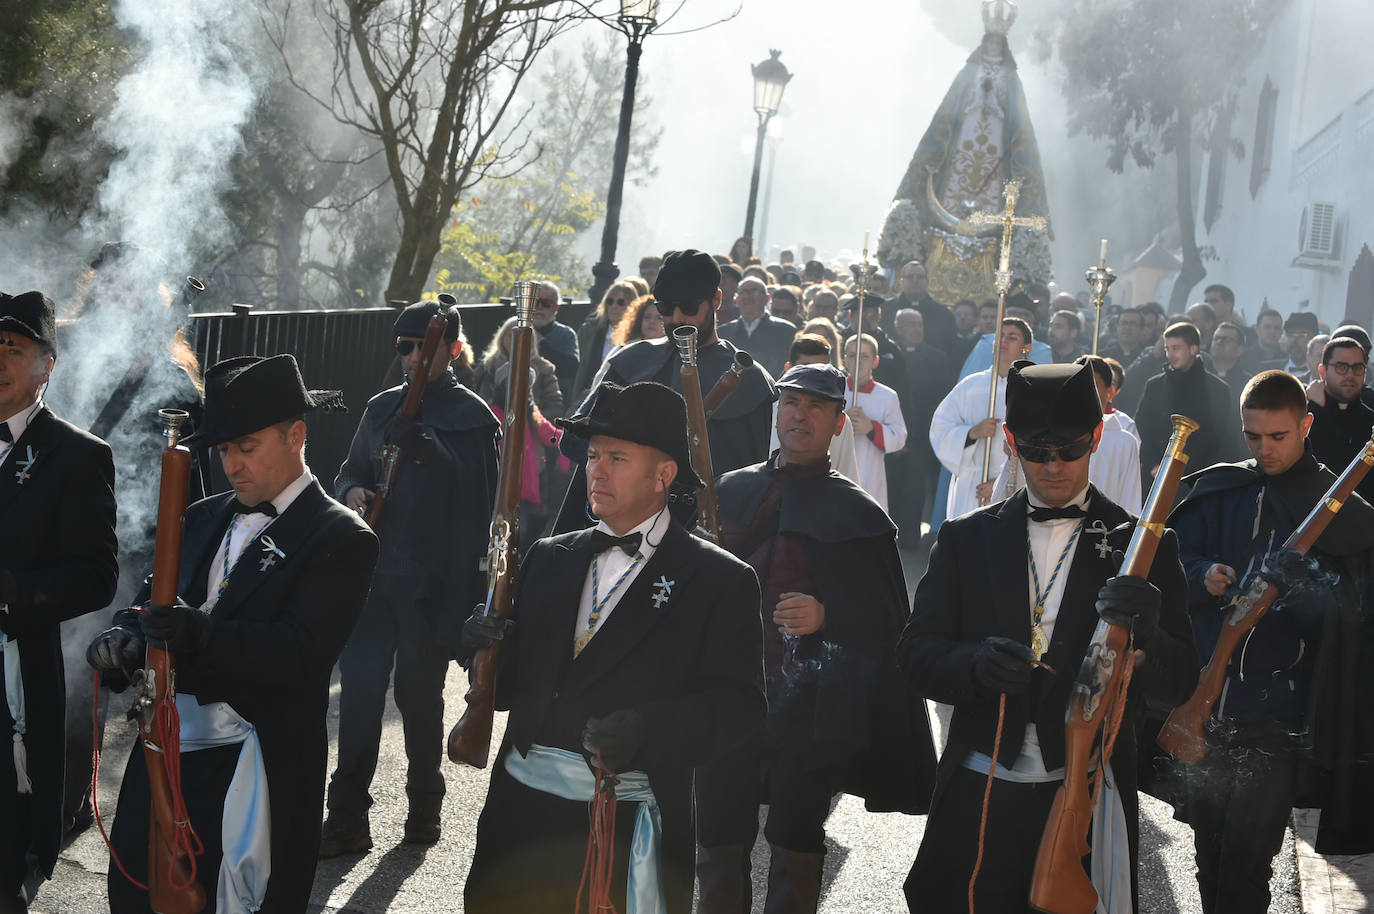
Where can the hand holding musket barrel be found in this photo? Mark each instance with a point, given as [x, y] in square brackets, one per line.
[708, 508]
[391, 454]
[1059, 884]
[469, 743]
[727, 383]
[172, 885]
[1183, 734]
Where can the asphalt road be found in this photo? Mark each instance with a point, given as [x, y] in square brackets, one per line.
[867, 860]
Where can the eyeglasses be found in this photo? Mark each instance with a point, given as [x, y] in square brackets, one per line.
[1067, 453]
[403, 347]
[689, 308]
[546, 303]
[1345, 368]
[612, 302]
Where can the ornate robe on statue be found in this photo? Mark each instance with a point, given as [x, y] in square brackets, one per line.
[957, 414]
[979, 137]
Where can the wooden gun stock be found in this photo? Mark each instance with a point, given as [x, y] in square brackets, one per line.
[1183, 735]
[391, 454]
[469, 742]
[1059, 883]
[172, 886]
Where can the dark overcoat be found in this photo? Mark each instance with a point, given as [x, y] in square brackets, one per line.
[275, 633]
[57, 537]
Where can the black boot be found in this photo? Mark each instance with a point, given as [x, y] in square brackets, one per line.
[724, 877]
[794, 882]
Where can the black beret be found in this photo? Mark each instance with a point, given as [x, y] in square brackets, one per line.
[30, 314]
[1302, 320]
[1051, 404]
[871, 300]
[687, 276]
[414, 320]
[820, 378]
[1353, 332]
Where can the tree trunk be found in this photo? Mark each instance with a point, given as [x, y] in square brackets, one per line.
[1193, 272]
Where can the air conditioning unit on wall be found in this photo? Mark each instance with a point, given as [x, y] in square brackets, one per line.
[1318, 236]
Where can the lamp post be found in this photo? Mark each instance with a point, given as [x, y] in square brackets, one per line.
[637, 19]
[770, 78]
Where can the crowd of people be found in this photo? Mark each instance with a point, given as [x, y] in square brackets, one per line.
[780, 663]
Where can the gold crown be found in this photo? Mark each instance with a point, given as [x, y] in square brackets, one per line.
[998, 16]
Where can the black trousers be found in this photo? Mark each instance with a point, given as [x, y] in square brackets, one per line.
[400, 626]
[1239, 801]
[1016, 818]
[14, 830]
[796, 789]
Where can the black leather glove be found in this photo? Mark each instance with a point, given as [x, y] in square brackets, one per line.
[408, 434]
[182, 627]
[617, 736]
[116, 649]
[480, 632]
[1003, 665]
[1285, 569]
[1132, 603]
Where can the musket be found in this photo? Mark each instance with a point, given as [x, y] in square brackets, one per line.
[708, 508]
[469, 742]
[1059, 884]
[172, 842]
[391, 453]
[1183, 735]
[727, 383]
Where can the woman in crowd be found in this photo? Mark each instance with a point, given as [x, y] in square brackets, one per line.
[594, 341]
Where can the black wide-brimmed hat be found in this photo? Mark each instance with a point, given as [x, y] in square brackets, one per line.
[645, 413]
[686, 277]
[247, 394]
[1051, 404]
[31, 314]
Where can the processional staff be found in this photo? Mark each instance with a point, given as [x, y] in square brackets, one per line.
[1009, 220]
[862, 271]
[1100, 279]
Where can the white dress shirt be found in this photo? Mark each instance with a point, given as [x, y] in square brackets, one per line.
[611, 564]
[18, 423]
[245, 528]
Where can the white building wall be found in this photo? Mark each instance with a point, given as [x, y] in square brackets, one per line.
[1316, 54]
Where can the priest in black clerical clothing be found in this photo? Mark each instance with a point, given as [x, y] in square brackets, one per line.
[686, 292]
[1005, 583]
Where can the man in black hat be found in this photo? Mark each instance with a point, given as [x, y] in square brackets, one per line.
[273, 576]
[1290, 729]
[686, 293]
[1298, 331]
[635, 646]
[839, 719]
[427, 578]
[57, 561]
[1028, 576]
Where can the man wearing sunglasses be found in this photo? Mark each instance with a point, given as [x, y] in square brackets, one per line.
[686, 293]
[433, 534]
[557, 341]
[1004, 613]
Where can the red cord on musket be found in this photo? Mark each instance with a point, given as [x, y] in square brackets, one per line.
[600, 860]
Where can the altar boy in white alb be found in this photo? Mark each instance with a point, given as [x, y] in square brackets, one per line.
[961, 429]
[876, 414]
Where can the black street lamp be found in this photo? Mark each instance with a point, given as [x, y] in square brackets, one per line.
[770, 78]
[637, 19]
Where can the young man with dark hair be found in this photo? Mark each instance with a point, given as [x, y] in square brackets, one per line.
[1130, 332]
[427, 578]
[1267, 351]
[1185, 387]
[1065, 326]
[57, 562]
[1341, 425]
[839, 719]
[1287, 730]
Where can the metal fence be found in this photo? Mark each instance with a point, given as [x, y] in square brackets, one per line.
[349, 350]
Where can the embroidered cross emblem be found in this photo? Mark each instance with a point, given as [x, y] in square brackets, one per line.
[23, 474]
[663, 588]
[1104, 548]
[267, 562]
[273, 552]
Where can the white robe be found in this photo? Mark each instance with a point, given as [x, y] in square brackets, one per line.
[879, 402]
[961, 409]
[842, 459]
[1115, 469]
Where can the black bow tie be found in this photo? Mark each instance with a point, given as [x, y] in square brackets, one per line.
[265, 507]
[601, 541]
[1043, 514]
[5, 433]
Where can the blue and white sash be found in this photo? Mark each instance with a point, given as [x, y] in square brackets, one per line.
[565, 774]
[246, 828]
[14, 699]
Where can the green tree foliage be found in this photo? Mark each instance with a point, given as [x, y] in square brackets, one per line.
[527, 225]
[1148, 78]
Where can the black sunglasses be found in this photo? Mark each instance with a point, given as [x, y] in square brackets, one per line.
[617, 301]
[1067, 453]
[688, 308]
[403, 347]
[546, 302]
